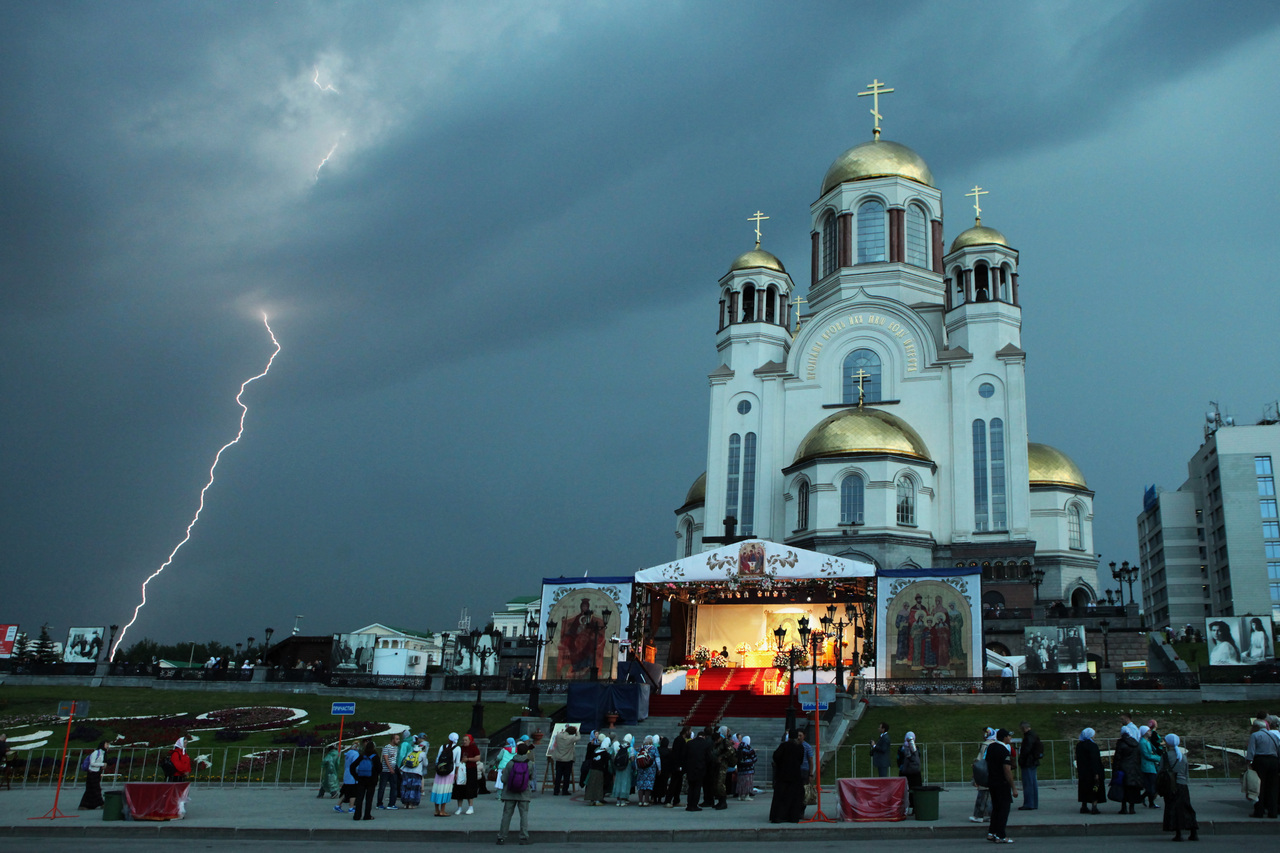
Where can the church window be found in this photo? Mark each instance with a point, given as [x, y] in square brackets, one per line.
[1004, 285]
[861, 364]
[688, 538]
[1075, 535]
[731, 486]
[958, 277]
[733, 306]
[852, 494]
[981, 283]
[802, 506]
[986, 390]
[747, 527]
[906, 501]
[981, 511]
[999, 502]
[744, 406]
[917, 237]
[771, 305]
[829, 244]
[749, 304]
[870, 232]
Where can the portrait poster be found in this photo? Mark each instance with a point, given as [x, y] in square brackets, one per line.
[84, 645]
[927, 626]
[353, 652]
[8, 639]
[590, 620]
[1056, 649]
[1239, 640]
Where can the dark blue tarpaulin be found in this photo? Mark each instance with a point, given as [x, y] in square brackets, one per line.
[588, 702]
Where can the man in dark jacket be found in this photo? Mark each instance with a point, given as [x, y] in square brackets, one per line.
[697, 761]
[1001, 784]
[1029, 756]
[880, 752]
[675, 781]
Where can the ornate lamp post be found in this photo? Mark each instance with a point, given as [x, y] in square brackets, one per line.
[535, 704]
[1122, 575]
[484, 653]
[1037, 578]
[267, 643]
[604, 615]
[780, 634]
[827, 621]
[1105, 624]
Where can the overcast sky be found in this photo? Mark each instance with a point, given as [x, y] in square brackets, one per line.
[488, 236]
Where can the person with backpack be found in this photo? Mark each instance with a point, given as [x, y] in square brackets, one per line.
[1171, 781]
[623, 770]
[516, 792]
[93, 765]
[910, 768]
[411, 770]
[365, 771]
[448, 765]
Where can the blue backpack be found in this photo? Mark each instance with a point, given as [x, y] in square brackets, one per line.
[362, 766]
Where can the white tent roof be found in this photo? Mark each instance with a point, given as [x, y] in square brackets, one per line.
[742, 562]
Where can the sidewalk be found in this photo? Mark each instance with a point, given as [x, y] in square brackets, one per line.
[296, 814]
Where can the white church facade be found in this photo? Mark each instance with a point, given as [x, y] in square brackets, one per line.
[883, 416]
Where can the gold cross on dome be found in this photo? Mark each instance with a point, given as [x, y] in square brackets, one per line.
[797, 302]
[757, 218]
[860, 375]
[977, 192]
[875, 89]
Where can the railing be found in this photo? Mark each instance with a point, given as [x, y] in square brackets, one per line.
[1058, 681]
[202, 674]
[1264, 673]
[133, 669]
[295, 676]
[470, 682]
[915, 686]
[1158, 681]
[382, 682]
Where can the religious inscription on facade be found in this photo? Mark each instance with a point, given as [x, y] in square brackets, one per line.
[891, 327]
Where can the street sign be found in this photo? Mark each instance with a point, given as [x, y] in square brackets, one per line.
[343, 709]
[73, 707]
[815, 697]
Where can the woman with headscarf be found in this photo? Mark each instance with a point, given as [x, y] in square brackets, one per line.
[92, 798]
[411, 770]
[467, 783]
[746, 770]
[448, 763]
[1178, 813]
[648, 766]
[1126, 770]
[505, 755]
[331, 772]
[1149, 754]
[597, 762]
[624, 758]
[910, 767]
[982, 803]
[180, 760]
[1090, 774]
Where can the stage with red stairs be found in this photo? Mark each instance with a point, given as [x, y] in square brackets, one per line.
[727, 692]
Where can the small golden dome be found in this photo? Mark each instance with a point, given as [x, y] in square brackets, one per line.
[698, 491]
[877, 159]
[861, 431]
[978, 235]
[757, 258]
[1049, 466]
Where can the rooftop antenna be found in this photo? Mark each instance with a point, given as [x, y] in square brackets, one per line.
[464, 621]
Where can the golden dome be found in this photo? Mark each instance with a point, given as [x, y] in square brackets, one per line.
[698, 491]
[757, 258]
[1049, 466]
[877, 159]
[978, 235]
[861, 431]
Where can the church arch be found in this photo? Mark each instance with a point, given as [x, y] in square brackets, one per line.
[917, 237]
[1006, 277]
[853, 499]
[957, 287]
[802, 504]
[748, 303]
[1075, 525]
[872, 222]
[771, 305]
[865, 364]
[905, 500]
[981, 282]
[830, 244]
[686, 533]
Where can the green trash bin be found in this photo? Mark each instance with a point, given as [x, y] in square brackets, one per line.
[926, 800]
[113, 805]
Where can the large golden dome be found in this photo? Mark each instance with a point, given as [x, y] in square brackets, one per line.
[698, 491]
[877, 159]
[978, 235]
[861, 431]
[1049, 466]
[757, 258]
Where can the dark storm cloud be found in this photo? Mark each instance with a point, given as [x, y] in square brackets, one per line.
[497, 296]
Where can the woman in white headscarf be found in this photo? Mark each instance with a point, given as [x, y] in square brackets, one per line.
[1126, 769]
[1178, 813]
[624, 769]
[746, 769]
[982, 803]
[598, 759]
[911, 768]
[648, 765]
[1091, 788]
[446, 766]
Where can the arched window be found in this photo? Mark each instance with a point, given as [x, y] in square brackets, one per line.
[999, 503]
[731, 484]
[1075, 528]
[981, 283]
[1004, 284]
[733, 306]
[771, 305]
[749, 304]
[906, 501]
[828, 244]
[748, 518]
[864, 364]
[981, 506]
[917, 237]
[957, 276]
[802, 506]
[852, 494]
[870, 232]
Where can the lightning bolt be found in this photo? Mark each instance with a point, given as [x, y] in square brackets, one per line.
[316, 177]
[244, 411]
[327, 87]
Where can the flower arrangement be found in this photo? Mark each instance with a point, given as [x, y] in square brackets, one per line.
[718, 662]
[702, 654]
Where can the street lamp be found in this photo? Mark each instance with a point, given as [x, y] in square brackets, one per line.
[484, 653]
[267, 644]
[535, 704]
[1037, 578]
[296, 620]
[1105, 624]
[780, 634]
[1125, 574]
[112, 642]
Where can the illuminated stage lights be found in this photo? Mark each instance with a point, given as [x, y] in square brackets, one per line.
[244, 411]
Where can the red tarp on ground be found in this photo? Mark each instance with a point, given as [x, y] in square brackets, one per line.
[156, 800]
[873, 799]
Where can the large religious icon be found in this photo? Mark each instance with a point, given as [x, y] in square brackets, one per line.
[580, 649]
[83, 645]
[1055, 649]
[751, 559]
[353, 652]
[1239, 640]
[928, 631]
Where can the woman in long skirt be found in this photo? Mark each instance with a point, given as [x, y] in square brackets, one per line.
[746, 770]
[467, 784]
[1091, 787]
[450, 755]
[597, 760]
[648, 774]
[92, 798]
[331, 772]
[411, 777]
[1178, 813]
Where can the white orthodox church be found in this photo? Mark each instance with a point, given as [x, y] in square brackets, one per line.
[883, 418]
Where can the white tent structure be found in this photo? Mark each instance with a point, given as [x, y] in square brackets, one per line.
[755, 561]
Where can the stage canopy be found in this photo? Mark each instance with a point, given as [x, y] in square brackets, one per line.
[755, 561]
